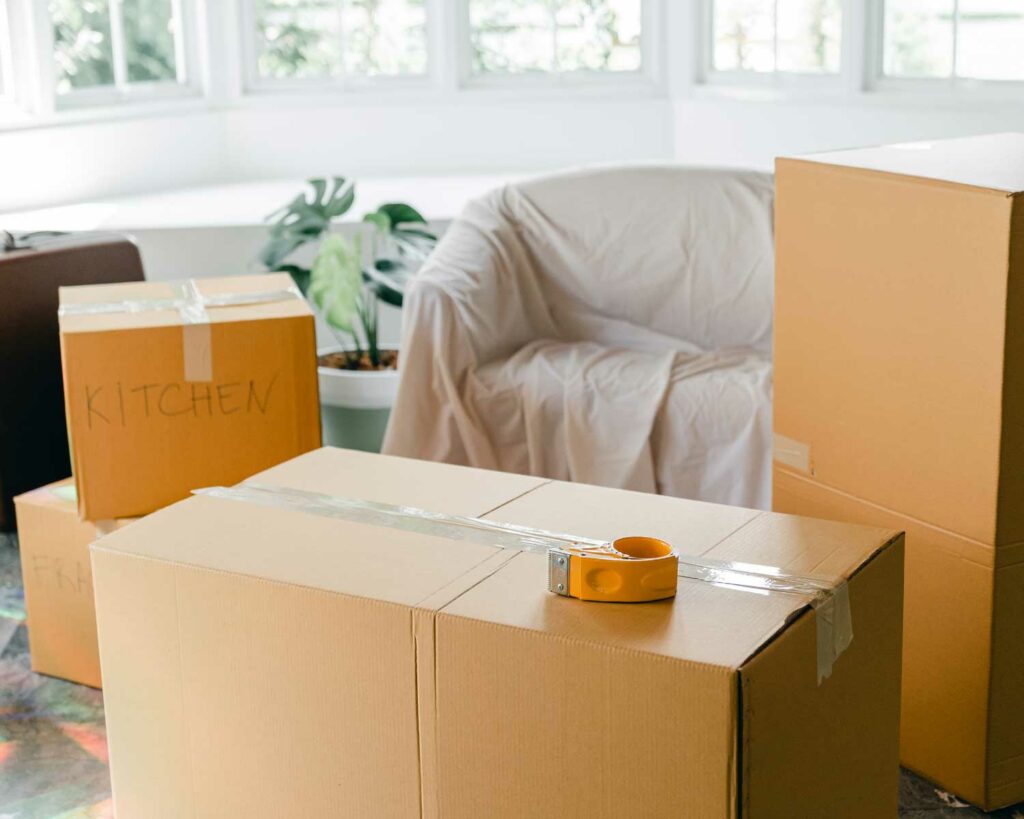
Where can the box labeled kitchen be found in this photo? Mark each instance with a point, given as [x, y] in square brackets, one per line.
[173, 386]
[54, 546]
[295, 658]
[898, 402]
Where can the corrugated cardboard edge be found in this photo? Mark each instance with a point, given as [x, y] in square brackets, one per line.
[880, 174]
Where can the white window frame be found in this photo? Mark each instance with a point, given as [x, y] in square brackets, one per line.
[952, 87]
[449, 69]
[122, 92]
[253, 83]
[776, 80]
[650, 75]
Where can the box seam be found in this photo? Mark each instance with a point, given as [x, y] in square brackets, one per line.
[939, 529]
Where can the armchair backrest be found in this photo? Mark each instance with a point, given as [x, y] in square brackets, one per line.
[636, 254]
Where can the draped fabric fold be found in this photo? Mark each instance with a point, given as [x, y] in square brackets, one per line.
[610, 326]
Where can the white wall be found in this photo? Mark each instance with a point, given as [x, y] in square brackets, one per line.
[75, 162]
[81, 162]
[70, 163]
[486, 135]
[752, 133]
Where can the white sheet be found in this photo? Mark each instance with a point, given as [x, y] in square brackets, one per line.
[610, 326]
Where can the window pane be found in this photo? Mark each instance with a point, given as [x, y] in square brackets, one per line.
[918, 38]
[744, 32]
[149, 40]
[990, 40]
[81, 44]
[598, 35]
[385, 37]
[298, 38]
[809, 35]
[511, 36]
[514, 36]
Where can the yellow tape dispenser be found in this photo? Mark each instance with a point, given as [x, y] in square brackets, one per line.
[627, 570]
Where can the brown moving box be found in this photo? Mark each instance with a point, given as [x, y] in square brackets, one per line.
[263, 661]
[54, 547]
[159, 403]
[899, 402]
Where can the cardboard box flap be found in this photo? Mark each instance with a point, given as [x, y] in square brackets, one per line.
[109, 294]
[707, 623]
[336, 555]
[993, 161]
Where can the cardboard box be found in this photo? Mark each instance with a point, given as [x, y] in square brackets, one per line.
[55, 567]
[33, 434]
[158, 405]
[899, 401]
[289, 663]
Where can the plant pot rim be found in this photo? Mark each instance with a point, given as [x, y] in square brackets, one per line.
[356, 389]
[344, 373]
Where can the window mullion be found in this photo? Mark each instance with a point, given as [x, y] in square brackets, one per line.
[342, 73]
[182, 73]
[117, 45]
[956, 43]
[553, 13]
[775, 37]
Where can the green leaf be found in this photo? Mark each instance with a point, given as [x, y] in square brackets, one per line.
[300, 275]
[422, 234]
[379, 220]
[306, 217]
[401, 213]
[277, 249]
[336, 281]
[389, 295]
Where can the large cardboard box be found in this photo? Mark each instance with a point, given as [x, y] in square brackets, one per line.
[165, 398]
[264, 661]
[899, 401]
[57, 575]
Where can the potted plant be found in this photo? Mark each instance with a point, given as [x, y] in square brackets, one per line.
[358, 376]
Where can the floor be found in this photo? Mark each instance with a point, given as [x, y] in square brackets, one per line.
[53, 744]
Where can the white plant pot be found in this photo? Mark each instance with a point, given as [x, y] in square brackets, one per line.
[355, 405]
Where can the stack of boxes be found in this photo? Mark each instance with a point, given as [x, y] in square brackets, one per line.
[899, 401]
[168, 387]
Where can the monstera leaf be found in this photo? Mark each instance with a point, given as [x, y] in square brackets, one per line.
[305, 218]
[336, 281]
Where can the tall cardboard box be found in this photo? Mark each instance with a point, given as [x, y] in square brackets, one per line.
[899, 401]
[57, 575]
[173, 386]
[269, 661]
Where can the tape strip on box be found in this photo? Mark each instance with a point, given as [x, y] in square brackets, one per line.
[830, 600]
[192, 306]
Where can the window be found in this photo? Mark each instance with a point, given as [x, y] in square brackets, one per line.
[104, 48]
[954, 39]
[769, 36]
[339, 39]
[555, 36]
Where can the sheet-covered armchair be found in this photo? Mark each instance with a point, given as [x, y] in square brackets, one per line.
[611, 326]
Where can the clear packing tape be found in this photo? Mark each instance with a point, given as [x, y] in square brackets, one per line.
[829, 599]
[192, 306]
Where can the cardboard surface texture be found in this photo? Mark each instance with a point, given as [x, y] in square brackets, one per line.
[157, 406]
[899, 402]
[57, 575]
[290, 663]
